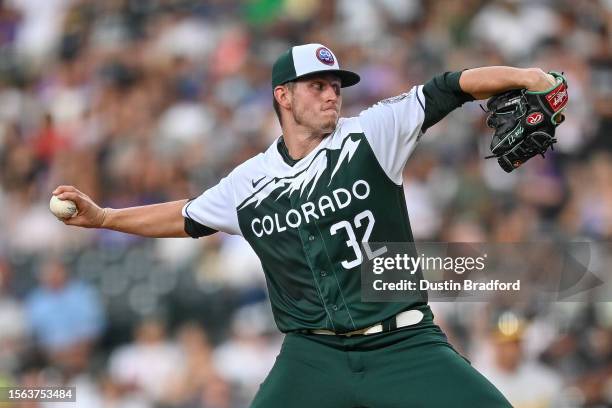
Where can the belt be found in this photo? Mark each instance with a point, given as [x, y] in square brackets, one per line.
[402, 319]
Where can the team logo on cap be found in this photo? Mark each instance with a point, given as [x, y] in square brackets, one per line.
[325, 56]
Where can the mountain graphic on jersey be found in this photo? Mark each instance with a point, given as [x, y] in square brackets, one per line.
[307, 179]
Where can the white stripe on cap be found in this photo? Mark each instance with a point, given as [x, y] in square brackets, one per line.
[306, 58]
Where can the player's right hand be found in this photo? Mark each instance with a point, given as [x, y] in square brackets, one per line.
[89, 214]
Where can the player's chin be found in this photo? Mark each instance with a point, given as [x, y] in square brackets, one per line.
[328, 127]
[329, 123]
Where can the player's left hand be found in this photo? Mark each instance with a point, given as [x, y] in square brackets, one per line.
[539, 80]
[525, 119]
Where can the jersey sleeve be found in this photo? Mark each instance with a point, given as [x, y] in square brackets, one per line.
[392, 128]
[214, 210]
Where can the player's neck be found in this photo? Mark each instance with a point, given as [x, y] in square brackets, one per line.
[301, 141]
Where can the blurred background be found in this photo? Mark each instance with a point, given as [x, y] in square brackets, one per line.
[141, 101]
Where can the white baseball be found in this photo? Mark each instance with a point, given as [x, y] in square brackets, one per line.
[62, 208]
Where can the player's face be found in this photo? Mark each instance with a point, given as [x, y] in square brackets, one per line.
[316, 102]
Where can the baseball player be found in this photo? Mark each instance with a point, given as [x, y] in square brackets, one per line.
[305, 205]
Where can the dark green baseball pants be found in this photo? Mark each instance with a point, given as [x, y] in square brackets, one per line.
[407, 368]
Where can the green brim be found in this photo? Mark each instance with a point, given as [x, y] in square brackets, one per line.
[347, 78]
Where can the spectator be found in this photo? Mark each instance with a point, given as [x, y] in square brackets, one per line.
[248, 355]
[525, 383]
[13, 322]
[149, 364]
[66, 316]
[199, 379]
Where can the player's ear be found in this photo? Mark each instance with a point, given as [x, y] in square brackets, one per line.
[283, 96]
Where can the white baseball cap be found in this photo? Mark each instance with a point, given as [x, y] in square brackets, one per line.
[308, 59]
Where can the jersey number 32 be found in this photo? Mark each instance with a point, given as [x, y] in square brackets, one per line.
[352, 243]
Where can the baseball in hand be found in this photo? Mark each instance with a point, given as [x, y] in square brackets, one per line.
[62, 208]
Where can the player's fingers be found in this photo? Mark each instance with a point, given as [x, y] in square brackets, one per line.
[82, 218]
[65, 220]
[76, 197]
[88, 214]
[69, 195]
[560, 119]
[63, 188]
[77, 221]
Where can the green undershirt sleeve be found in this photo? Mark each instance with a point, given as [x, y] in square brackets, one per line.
[442, 95]
[194, 229]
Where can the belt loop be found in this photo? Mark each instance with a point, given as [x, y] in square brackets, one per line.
[389, 324]
[386, 324]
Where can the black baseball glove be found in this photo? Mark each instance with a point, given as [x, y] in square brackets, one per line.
[525, 122]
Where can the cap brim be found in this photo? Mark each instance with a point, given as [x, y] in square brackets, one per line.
[347, 78]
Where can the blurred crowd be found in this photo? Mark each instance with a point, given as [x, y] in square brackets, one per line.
[142, 101]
